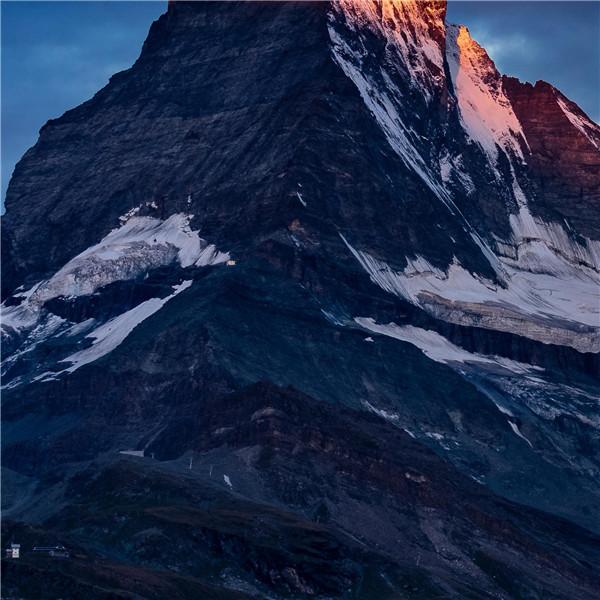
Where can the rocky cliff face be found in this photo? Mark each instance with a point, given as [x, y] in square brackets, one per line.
[335, 279]
[564, 158]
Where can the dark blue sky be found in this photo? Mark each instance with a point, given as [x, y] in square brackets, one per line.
[57, 54]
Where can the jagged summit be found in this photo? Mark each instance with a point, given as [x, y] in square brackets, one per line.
[485, 111]
[414, 31]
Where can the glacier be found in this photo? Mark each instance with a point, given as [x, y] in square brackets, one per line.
[137, 246]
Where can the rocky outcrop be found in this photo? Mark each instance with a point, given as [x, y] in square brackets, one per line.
[564, 160]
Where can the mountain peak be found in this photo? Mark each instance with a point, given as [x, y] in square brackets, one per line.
[469, 47]
[280, 292]
[485, 110]
[414, 34]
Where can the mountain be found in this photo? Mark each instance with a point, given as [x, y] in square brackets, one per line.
[305, 304]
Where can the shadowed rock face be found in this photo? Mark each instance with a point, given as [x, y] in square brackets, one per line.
[565, 159]
[335, 278]
[192, 117]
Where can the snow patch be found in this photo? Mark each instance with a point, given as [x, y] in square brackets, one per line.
[332, 318]
[129, 214]
[384, 414]
[503, 409]
[50, 325]
[302, 201]
[543, 247]
[18, 317]
[439, 349]
[517, 432]
[109, 336]
[79, 328]
[545, 296]
[140, 244]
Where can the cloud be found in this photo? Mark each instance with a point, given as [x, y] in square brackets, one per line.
[503, 49]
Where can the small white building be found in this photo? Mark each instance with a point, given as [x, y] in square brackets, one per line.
[13, 551]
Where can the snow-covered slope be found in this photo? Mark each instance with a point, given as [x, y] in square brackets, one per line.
[579, 120]
[139, 245]
[111, 334]
[132, 250]
[543, 296]
[414, 44]
[485, 111]
[547, 283]
[349, 29]
[440, 349]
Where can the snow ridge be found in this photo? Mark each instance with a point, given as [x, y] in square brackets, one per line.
[589, 129]
[485, 111]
